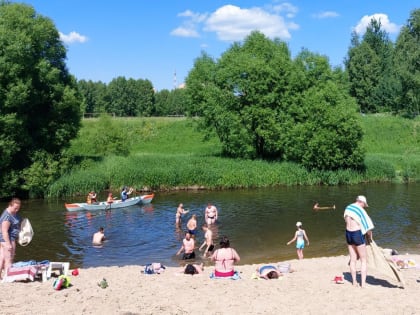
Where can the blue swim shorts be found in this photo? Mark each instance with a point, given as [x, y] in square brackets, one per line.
[355, 238]
[300, 244]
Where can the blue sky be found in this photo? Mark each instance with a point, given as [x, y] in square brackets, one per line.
[155, 40]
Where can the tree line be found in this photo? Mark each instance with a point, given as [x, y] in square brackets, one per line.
[258, 100]
[381, 75]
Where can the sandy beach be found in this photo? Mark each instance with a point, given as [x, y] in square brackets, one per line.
[309, 290]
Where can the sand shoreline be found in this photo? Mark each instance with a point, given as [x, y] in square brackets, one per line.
[309, 290]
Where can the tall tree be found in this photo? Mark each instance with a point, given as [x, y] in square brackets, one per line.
[370, 70]
[261, 104]
[94, 94]
[407, 63]
[129, 97]
[198, 82]
[39, 102]
[162, 103]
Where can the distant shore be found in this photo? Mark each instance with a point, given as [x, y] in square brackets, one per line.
[309, 290]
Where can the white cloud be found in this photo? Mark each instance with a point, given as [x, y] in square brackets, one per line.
[232, 23]
[289, 9]
[189, 26]
[73, 37]
[386, 24]
[326, 14]
[195, 17]
[184, 32]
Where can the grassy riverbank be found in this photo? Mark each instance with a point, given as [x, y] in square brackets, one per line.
[170, 153]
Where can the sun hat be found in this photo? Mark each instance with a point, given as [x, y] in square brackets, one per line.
[362, 199]
[298, 223]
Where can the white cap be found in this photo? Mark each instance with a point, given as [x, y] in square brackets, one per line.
[362, 199]
[298, 223]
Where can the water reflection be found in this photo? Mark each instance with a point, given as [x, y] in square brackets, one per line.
[257, 222]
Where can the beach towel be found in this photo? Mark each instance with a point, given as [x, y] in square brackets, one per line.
[26, 232]
[235, 276]
[360, 216]
[30, 263]
[28, 272]
[378, 261]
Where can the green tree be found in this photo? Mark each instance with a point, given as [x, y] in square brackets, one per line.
[371, 73]
[39, 101]
[162, 103]
[263, 104]
[129, 97]
[199, 81]
[177, 102]
[406, 60]
[94, 94]
[146, 98]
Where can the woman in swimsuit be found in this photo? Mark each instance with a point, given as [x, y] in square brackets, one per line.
[225, 258]
[210, 214]
[9, 233]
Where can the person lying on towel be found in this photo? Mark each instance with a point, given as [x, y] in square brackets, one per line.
[268, 272]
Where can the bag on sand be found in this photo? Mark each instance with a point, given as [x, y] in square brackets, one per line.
[153, 268]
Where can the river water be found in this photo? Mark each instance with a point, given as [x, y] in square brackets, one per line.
[258, 223]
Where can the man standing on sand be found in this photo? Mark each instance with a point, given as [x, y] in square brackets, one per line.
[210, 214]
[187, 247]
[358, 226]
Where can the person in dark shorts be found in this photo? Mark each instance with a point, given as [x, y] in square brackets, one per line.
[208, 240]
[187, 247]
[359, 228]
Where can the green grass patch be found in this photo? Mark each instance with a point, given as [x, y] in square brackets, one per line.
[170, 153]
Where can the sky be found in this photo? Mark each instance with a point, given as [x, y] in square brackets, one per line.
[160, 40]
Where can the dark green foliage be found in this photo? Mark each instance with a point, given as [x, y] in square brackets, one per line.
[39, 102]
[105, 139]
[168, 153]
[406, 62]
[263, 104]
[129, 98]
[199, 81]
[379, 170]
[371, 71]
[170, 103]
[94, 94]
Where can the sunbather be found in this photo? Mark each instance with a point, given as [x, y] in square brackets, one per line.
[193, 269]
[268, 272]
